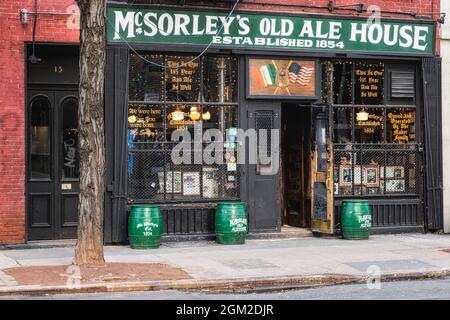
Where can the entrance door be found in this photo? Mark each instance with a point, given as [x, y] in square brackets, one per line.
[322, 207]
[52, 164]
[295, 164]
[264, 192]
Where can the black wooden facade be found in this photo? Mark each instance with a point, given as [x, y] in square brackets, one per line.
[195, 220]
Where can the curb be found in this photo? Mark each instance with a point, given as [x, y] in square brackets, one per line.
[247, 285]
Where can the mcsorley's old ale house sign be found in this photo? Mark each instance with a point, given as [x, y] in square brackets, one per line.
[266, 31]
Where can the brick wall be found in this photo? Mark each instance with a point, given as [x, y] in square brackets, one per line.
[13, 36]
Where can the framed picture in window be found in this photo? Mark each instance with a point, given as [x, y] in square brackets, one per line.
[336, 174]
[373, 190]
[371, 176]
[161, 181]
[396, 172]
[345, 175]
[210, 182]
[191, 183]
[173, 182]
[395, 185]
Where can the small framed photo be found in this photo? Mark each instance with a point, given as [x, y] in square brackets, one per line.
[395, 185]
[396, 172]
[345, 191]
[371, 176]
[345, 175]
[191, 183]
[173, 181]
[161, 182]
[336, 174]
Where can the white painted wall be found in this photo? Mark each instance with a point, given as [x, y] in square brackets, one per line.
[445, 53]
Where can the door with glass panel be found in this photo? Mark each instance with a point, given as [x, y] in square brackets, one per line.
[52, 164]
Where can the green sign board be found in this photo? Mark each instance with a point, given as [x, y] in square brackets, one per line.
[245, 30]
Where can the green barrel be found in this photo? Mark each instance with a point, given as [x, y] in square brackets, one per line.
[231, 222]
[145, 226]
[356, 219]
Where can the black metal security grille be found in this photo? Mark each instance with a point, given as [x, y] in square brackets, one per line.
[384, 169]
[182, 126]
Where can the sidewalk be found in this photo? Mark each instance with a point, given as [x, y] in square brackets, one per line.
[282, 263]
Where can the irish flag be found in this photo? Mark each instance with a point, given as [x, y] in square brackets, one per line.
[268, 74]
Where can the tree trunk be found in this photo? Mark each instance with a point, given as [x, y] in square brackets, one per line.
[89, 248]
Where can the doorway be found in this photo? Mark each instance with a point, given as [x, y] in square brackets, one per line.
[296, 151]
[52, 158]
[52, 164]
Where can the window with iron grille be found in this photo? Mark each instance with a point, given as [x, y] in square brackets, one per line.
[178, 113]
[376, 150]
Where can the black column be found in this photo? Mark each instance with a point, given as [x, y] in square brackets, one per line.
[432, 93]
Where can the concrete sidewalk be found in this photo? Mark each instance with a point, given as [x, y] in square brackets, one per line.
[263, 261]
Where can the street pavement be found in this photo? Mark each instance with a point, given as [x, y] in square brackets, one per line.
[258, 259]
[402, 290]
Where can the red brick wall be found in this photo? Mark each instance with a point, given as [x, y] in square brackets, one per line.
[13, 35]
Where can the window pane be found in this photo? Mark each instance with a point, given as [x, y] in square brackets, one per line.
[70, 161]
[40, 138]
[400, 125]
[343, 120]
[183, 83]
[369, 83]
[343, 87]
[219, 79]
[369, 125]
[146, 81]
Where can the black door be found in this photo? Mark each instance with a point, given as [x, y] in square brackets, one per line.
[52, 164]
[264, 193]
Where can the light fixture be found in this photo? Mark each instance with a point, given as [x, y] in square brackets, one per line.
[177, 115]
[132, 119]
[362, 115]
[194, 114]
[206, 116]
[24, 17]
[359, 7]
[441, 19]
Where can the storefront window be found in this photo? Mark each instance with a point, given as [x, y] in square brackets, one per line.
[343, 120]
[146, 81]
[376, 150]
[197, 100]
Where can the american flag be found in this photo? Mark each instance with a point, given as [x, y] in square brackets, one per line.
[300, 74]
